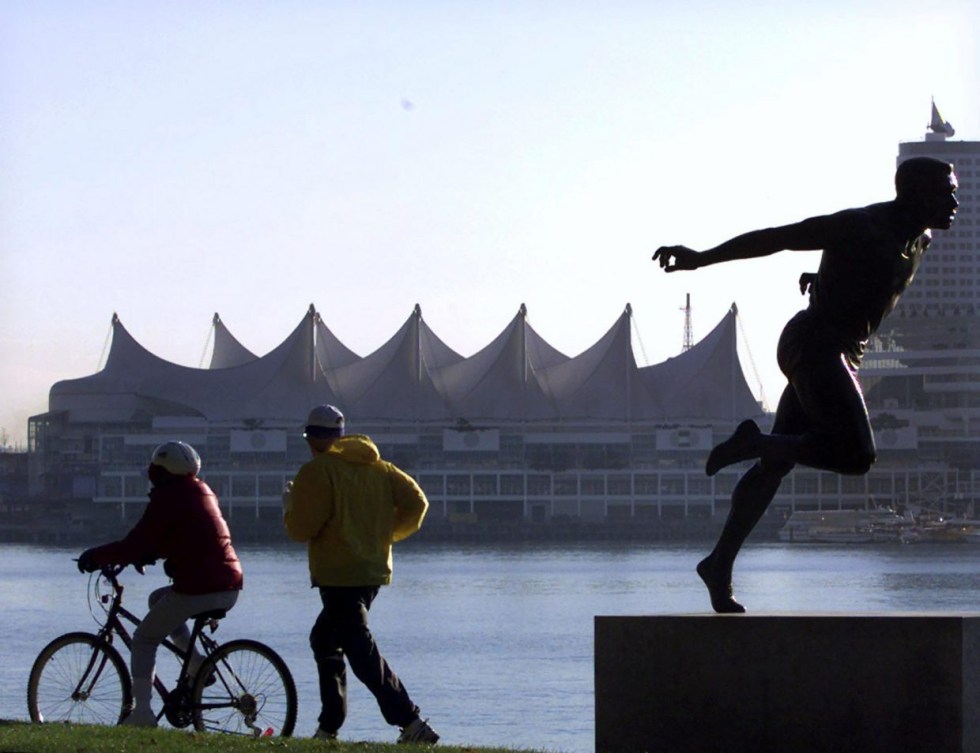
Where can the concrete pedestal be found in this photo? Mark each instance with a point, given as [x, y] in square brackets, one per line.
[896, 683]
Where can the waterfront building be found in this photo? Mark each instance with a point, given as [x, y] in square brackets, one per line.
[517, 432]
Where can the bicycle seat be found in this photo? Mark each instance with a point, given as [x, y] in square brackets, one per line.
[212, 614]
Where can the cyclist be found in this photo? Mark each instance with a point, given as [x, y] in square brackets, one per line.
[348, 505]
[183, 525]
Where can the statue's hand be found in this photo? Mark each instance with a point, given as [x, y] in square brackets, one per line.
[806, 282]
[673, 258]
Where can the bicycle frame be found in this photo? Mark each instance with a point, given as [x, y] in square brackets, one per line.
[114, 625]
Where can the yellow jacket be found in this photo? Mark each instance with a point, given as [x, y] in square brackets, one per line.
[349, 505]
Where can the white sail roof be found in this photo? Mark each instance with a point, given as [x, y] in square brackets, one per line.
[706, 381]
[499, 382]
[394, 383]
[603, 382]
[416, 377]
[281, 385]
[331, 353]
[227, 351]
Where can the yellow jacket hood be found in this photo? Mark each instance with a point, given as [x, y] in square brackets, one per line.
[356, 448]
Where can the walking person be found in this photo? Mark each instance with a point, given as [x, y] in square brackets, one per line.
[869, 257]
[182, 524]
[349, 506]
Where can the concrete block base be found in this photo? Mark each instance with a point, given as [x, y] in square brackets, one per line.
[896, 683]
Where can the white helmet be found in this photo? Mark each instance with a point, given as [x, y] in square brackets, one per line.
[178, 458]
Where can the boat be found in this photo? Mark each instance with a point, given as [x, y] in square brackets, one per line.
[933, 528]
[972, 536]
[844, 526]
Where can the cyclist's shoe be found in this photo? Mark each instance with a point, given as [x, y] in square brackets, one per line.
[195, 668]
[211, 679]
[418, 731]
[323, 734]
[141, 716]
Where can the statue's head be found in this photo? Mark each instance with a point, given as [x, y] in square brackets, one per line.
[926, 187]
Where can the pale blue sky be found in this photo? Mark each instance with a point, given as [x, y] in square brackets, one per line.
[169, 160]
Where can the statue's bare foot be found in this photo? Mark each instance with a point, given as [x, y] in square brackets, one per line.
[742, 445]
[719, 589]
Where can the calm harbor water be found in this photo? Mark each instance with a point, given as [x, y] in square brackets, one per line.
[495, 642]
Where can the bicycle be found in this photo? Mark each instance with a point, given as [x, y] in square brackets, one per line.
[242, 687]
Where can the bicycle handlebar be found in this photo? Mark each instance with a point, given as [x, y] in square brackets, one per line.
[111, 571]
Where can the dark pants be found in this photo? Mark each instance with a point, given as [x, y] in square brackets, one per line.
[342, 631]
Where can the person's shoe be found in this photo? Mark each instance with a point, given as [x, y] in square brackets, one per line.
[418, 731]
[742, 445]
[194, 668]
[210, 680]
[719, 589]
[141, 716]
[323, 734]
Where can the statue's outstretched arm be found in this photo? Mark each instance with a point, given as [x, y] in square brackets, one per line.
[809, 235]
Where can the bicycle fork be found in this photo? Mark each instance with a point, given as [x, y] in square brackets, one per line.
[93, 670]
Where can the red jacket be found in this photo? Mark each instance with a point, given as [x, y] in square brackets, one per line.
[182, 524]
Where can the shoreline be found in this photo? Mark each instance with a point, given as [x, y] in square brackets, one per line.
[73, 532]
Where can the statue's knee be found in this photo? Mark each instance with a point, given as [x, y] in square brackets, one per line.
[860, 462]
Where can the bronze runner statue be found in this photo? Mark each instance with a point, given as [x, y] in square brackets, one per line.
[869, 257]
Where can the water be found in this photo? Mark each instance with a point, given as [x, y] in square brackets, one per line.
[494, 643]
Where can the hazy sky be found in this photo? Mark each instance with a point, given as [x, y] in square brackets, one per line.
[167, 161]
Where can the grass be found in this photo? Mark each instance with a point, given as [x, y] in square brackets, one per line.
[24, 737]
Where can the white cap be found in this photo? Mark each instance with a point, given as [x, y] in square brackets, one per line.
[325, 421]
[178, 458]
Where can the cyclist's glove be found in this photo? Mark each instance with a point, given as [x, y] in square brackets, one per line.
[86, 562]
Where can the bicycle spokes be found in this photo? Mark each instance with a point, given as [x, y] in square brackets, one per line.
[78, 678]
[252, 692]
[233, 689]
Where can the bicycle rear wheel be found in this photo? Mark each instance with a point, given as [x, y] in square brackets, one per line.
[245, 688]
[77, 678]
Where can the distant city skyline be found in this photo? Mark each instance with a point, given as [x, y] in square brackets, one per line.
[166, 163]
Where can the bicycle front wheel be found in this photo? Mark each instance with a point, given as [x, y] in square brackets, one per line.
[245, 688]
[78, 678]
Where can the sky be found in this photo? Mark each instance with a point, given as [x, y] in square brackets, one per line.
[165, 161]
